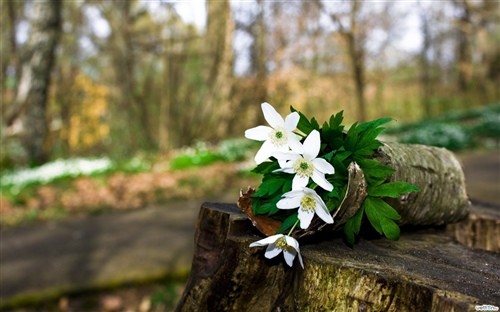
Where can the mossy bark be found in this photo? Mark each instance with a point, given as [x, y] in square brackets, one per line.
[423, 271]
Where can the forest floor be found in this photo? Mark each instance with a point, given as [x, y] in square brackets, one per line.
[54, 263]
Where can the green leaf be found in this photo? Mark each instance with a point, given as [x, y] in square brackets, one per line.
[328, 156]
[343, 155]
[352, 138]
[266, 167]
[383, 208]
[271, 184]
[392, 189]
[374, 123]
[368, 140]
[336, 121]
[353, 225]
[304, 124]
[373, 216]
[288, 223]
[374, 169]
[269, 207]
[287, 185]
[390, 229]
[314, 123]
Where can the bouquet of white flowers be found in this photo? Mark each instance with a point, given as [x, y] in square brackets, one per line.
[324, 171]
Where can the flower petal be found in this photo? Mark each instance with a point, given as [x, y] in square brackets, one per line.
[323, 212]
[300, 259]
[294, 143]
[287, 156]
[290, 241]
[288, 203]
[266, 241]
[265, 151]
[291, 121]
[260, 133]
[305, 217]
[319, 178]
[295, 244]
[312, 145]
[285, 170]
[271, 115]
[289, 256]
[323, 166]
[295, 193]
[299, 182]
[272, 251]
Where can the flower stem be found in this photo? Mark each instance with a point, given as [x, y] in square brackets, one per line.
[293, 227]
[300, 133]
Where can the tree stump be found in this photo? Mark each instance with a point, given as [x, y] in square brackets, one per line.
[426, 270]
[440, 265]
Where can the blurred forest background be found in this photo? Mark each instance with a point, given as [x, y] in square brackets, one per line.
[116, 105]
[120, 104]
[88, 77]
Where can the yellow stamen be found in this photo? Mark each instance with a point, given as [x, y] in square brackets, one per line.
[303, 167]
[308, 203]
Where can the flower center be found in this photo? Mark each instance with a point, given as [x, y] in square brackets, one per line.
[278, 137]
[308, 203]
[281, 243]
[303, 167]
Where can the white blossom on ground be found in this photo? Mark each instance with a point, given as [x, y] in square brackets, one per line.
[305, 164]
[278, 137]
[281, 243]
[308, 202]
[56, 169]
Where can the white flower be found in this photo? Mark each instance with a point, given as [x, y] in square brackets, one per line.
[305, 165]
[278, 243]
[278, 138]
[308, 202]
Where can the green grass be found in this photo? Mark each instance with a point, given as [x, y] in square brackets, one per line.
[201, 154]
[455, 130]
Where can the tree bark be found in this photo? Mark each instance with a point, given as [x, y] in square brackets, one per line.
[423, 271]
[439, 176]
[35, 77]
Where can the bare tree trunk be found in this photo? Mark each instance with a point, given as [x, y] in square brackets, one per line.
[354, 41]
[356, 55]
[259, 59]
[13, 59]
[463, 47]
[425, 66]
[35, 77]
[166, 98]
[217, 107]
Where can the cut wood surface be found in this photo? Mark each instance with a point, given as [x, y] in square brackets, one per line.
[481, 230]
[426, 270]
